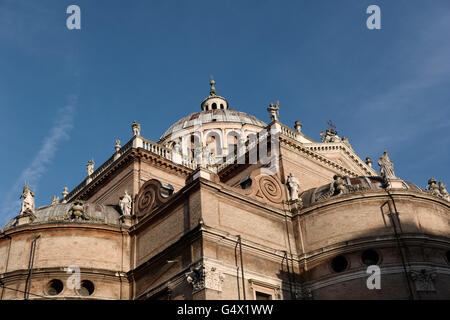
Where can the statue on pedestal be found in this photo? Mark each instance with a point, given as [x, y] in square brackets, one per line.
[90, 167]
[28, 200]
[293, 185]
[273, 110]
[386, 167]
[136, 128]
[125, 202]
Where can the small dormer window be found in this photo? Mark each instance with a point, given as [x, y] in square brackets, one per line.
[214, 106]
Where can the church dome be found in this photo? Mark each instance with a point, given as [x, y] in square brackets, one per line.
[214, 110]
[210, 116]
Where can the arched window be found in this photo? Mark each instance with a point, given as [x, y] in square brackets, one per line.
[214, 106]
[221, 106]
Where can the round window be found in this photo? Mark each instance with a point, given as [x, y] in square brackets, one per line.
[370, 257]
[339, 264]
[54, 287]
[86, 288]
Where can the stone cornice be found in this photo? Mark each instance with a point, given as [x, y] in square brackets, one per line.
[369, 195]
[33, 228]
[341, 146]
[133, 154]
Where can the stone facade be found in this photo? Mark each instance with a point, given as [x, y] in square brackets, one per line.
[233, 230]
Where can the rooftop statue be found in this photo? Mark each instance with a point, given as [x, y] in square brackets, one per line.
[28, 200]
[125, 202]
[90, 167]
[273, 110]
[386, 166]
[136, 128]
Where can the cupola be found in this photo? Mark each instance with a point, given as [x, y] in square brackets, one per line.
[214, 102]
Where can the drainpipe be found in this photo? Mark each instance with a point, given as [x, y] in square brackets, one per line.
[399, 242]
[30, 266]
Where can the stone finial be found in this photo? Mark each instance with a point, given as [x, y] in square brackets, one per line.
[125, 203]
[28, 200]
[298, 126]
[55, 200]
[293, 185]
[273, 110]
[64, 195]
[117, 146]
[386, 167]
[136, 128]
[90, 167]
[369, 162]
[212, 91]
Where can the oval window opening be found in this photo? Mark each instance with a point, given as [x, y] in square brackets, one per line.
[370, 257]
[86, 288]
[339, 264]
[54, 287]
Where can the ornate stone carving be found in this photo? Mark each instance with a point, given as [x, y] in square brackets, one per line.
[151, 195]
[270, 187]
[196, 277]
[386, 167]
[439, 191]
[28, 200]
[76, 212]
[125, 202]
[424, 280]
[340, 187]
[136, 128]
[293, 185]
[443, 191]
[433, 188]
[330, 135]
[213, 278]
[273, 110]
[262, 185]
[205, 277]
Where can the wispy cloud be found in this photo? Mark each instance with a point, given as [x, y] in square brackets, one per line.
[63, 123]
[407, 109]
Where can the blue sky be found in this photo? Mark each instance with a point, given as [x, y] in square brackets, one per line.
[66, 95]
